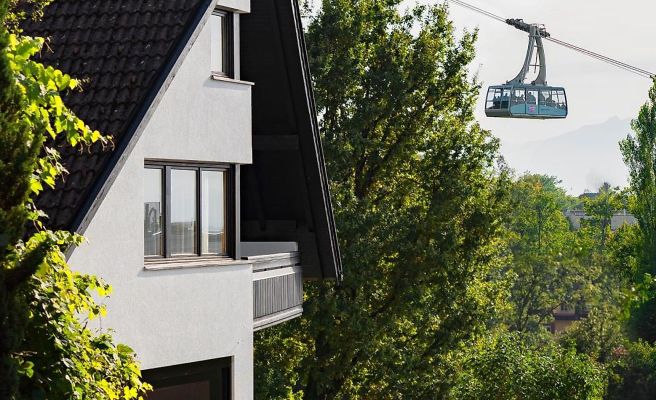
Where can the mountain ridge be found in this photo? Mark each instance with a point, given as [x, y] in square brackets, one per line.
[583, 159]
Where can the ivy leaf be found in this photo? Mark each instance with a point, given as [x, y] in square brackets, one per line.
[26, 368]
[124, 349]
[35, 186]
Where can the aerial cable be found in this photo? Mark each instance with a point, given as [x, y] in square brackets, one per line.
[627, 67]
[605, 59]
[521, 25]
[478, 10]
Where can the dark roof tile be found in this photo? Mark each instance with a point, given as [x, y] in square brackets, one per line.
[119, 48]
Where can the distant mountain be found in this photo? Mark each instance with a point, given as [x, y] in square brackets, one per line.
[582, 159]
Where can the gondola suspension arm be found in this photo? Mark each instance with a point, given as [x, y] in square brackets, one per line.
[536, 33]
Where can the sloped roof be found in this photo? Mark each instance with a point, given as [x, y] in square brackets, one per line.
[121, 49]
[126, 50]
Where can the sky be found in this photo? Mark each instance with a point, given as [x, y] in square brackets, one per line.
[602, 98]
[597, 92]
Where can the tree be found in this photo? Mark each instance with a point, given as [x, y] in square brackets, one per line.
[601, 209]
[418, 205]
[599, 335]
[46, 351]
[633, 372]
[545, 253]
[638, 152]
[516, 367]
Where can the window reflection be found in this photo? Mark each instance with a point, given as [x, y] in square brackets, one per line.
[213, 238]
[153, 237]
[183, 212]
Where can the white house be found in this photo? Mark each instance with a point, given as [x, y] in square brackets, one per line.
[212, 205]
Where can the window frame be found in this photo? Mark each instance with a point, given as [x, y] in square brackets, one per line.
[162, 211]
[219, 373]
[229, 201]
[228, 44]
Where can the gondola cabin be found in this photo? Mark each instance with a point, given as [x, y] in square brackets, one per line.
[526, 101]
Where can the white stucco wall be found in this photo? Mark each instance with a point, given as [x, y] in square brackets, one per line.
[199, 118]
[236, 5]
[184, 315]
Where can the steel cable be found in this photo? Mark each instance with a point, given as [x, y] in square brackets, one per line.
[589, 53]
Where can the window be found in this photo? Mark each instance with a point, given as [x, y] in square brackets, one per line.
[494, 98]
[531, 96]
[186, 210]
[519, 96]
[505, 99]
[153, 211]
[205, 380]
[562, 100]
[222, 43]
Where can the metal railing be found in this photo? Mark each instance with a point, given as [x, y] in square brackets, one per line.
[277, 289]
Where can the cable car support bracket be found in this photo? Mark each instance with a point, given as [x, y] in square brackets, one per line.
[536, 33]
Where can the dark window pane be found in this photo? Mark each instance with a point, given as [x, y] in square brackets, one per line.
[153, 234]
[202, 380]
[195, 391]
[518, 97]
[505, 98]
[183, 212]
[213, 216]
[531, 97]
[219, 39]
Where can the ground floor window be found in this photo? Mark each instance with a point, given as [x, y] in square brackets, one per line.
[205, 380]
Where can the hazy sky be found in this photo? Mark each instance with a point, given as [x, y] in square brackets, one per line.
[596, 91]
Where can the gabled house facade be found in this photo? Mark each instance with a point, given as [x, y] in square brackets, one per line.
[212, 205]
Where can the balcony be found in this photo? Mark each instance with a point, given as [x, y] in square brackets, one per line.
[277, 282]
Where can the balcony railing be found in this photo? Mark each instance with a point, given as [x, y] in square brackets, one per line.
[277, 288]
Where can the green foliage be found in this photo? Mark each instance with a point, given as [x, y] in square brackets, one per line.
[516, 367]
[599, 335]
[600, 209]
[40, 107]
[59, 357]
[418, 205]
[546, 253]
[20, 10]
[440, 250]
[624, 255]
[278, 353]
[32, 111]
[633, 372]
[638, 151]
[46, 350]
[609, 255]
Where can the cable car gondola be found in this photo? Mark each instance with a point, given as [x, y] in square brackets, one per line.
[537, 100]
